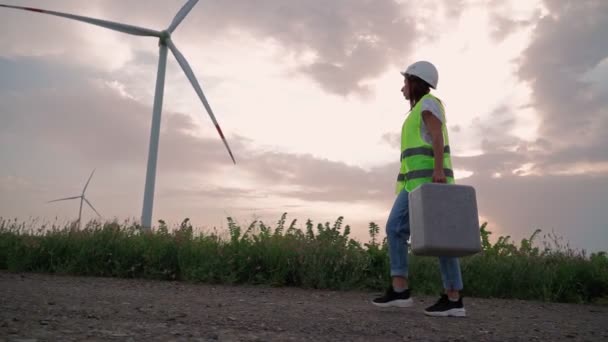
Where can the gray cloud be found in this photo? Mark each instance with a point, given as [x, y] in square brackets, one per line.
[88, 121]
[352, 41]
[454, 8]
[502, 21]
[505, 26]
[324, 180]
[563, 65]
[571, 206]
[392, 139]
[562, 50]
[21, 31]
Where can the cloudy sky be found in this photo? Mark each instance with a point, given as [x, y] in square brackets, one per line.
[307, 93]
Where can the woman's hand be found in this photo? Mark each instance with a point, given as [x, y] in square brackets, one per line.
[439, 176]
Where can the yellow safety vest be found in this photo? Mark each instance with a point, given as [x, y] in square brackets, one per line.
[417, 157]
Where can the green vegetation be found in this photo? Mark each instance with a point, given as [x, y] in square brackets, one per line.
[321, 256]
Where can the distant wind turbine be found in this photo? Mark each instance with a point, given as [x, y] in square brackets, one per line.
[82, 199]
[164, 43]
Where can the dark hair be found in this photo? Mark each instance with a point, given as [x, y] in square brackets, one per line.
[417, 89]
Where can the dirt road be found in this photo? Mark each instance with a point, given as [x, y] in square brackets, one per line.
[36, 307]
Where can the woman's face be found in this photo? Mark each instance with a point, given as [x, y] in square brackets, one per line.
[405, 90]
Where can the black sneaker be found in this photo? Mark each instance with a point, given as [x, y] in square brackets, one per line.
[446, 308]
[392, 298]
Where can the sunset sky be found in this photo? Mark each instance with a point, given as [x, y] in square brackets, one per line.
[308, 96]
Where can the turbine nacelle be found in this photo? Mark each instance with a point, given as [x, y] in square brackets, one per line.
[165, 36]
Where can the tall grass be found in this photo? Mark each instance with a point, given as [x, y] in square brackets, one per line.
[320, 256]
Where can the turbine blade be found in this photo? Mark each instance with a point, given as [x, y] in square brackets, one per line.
[90, 205]
[183, 12]
[130, 29]
[64, 199]
[86, 185]
[186, 67]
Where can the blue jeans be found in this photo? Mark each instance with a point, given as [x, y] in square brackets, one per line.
[398, 233]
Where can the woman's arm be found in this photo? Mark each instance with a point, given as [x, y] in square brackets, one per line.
[434, 127]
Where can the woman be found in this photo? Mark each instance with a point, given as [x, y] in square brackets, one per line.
[425, 158]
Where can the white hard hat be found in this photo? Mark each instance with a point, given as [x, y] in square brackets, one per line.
[424, 70]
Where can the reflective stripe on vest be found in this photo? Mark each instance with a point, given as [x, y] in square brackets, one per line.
[421, 151]
[422, 174]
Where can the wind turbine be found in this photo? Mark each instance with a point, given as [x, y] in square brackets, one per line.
[82, 199]
[164, 43]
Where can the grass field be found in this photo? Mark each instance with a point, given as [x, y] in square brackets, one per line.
[312, 256]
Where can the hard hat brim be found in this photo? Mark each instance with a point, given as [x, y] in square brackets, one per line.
[404, 74]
